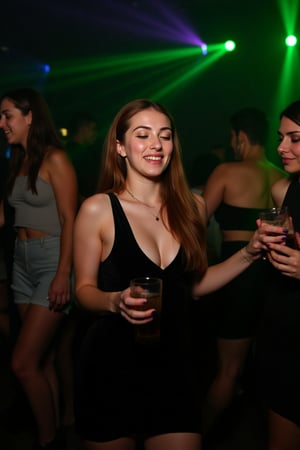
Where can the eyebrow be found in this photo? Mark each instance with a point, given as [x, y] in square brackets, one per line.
[150, 128]
[289, 132]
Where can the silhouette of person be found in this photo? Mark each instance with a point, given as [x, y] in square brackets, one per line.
[235, 193]
[83, 152]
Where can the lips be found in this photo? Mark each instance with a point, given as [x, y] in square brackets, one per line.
[286, 161]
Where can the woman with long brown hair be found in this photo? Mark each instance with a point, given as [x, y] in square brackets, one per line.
[43, 192]
[144, 222]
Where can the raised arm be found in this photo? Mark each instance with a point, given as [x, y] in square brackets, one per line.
[220, 274]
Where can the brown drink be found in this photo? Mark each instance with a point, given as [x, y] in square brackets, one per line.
[151, 289]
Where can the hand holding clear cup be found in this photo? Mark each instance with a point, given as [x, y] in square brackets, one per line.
[149, 288]
[278, 217]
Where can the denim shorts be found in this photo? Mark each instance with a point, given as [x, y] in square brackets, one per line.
[34, 267]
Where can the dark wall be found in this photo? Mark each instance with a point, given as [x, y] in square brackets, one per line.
[68, 34]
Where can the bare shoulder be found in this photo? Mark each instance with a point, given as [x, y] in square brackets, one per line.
[279, 189]
[55, 163]
[56, 156]
[227, 172]
[95, 206]
[54, 152]
[282, 183]
[224, 168]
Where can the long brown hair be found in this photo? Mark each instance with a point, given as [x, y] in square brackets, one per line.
[42, 135]
[183, 215]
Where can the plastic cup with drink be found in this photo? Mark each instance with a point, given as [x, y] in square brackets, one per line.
[151, 289]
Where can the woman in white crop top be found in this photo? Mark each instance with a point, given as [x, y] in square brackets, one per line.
[42, 189]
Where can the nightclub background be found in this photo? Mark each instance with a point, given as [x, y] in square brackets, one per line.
[95, 55]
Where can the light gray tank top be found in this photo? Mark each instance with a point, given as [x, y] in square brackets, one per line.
[36, 211]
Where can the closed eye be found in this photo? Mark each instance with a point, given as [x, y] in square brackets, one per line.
[166, 138]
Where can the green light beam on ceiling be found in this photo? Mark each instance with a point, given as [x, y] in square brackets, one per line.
[97, 69]
[137, 71]
[122, 63]
[286, 84]
[289, 12]
[187, 76]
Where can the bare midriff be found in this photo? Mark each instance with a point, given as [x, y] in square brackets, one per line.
[29, 233]
[237, 235]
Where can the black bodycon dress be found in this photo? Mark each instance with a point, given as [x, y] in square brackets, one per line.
[278, 343]
[123, 388]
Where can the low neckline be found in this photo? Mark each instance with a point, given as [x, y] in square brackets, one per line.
[138, 245]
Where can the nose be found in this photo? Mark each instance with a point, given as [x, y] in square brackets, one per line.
[155, 143]
[283, 145]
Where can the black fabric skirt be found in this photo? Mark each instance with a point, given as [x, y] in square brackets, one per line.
[128, 389]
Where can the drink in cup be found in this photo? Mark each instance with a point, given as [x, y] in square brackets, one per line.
[275, 216]
[280, 217]
[151, 289]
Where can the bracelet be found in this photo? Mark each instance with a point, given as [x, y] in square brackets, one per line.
[246, 256]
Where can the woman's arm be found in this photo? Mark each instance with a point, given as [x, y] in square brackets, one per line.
[220, 274]
[63, 180]
[89, 235]
[93, 239]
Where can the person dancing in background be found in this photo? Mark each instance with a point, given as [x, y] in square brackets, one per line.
[235, 193]
[42, 189]
[83, 153]
[144, 222]
[278, 341]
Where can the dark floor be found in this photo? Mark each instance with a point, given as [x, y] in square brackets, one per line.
[241, 427]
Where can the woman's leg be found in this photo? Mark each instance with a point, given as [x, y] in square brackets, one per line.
[65, 366]
[283, 434]
[118, 444]
[50, 374]
[174, 441]
[30, 355]
[232, 354]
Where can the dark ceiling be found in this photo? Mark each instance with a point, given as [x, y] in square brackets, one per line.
[73, 34]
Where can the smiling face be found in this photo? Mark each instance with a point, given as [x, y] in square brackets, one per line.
[289, 147]
[14, 124]
[148, 143]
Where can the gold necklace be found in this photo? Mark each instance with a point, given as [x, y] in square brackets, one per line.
[156, 216]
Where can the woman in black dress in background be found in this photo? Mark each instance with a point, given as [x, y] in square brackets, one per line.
[278, 349]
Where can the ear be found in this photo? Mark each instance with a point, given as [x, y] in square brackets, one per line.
[242, 137]
[29, 118]
[121, 149]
